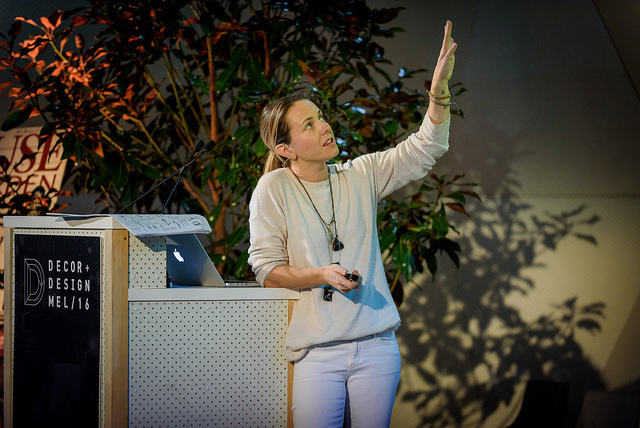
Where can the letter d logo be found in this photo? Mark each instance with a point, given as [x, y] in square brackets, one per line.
[33, 282]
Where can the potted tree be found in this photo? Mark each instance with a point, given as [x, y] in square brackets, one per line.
[129, 88]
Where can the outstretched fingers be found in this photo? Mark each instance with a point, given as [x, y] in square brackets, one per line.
[447, 40]
[446, 59]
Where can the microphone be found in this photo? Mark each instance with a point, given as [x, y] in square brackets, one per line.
[199, 145]
[200, 149]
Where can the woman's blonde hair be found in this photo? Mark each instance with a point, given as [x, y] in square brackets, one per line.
[274, 129]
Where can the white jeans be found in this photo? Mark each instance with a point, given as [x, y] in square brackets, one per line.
[353, 381]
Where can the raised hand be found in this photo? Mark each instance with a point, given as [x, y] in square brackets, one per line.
[446, 59]
[439, 110]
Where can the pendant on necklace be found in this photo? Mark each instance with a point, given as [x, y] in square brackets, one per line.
[336, 244]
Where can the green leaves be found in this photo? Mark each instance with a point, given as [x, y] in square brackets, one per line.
[256, 75]
[416, 231]
[17, 118]
[230, 72]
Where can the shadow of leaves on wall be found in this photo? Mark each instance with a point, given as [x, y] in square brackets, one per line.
[469, 344]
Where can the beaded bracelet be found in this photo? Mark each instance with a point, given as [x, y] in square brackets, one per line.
[450, 103]
[439, 98]
[436, 101]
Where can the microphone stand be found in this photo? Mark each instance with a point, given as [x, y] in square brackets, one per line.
[197, 148]
[171, 194]
[180, 171]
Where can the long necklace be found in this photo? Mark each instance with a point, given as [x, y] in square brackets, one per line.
[334, 241]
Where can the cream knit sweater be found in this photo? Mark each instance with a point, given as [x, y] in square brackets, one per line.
[285, 230]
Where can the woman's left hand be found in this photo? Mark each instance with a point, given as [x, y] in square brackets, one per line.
[439, 92]
[446, 60]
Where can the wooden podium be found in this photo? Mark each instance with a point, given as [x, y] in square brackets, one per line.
[93, 336]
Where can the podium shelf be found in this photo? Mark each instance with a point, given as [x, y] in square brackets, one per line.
[210, 293]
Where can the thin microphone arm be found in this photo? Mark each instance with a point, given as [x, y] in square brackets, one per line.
[203, 151]
[198, 147]
[171, 194]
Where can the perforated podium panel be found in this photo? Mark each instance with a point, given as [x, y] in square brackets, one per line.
[207, 364]
[203, 356]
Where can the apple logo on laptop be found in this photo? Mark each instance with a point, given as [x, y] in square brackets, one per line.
[177, 255]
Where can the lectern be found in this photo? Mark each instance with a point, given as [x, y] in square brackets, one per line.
[93, 336]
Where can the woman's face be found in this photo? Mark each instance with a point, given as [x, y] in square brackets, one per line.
[312, 139]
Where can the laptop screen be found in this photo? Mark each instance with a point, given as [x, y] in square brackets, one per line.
[188, 265]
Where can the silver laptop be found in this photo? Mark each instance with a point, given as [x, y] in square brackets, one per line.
[189, 265]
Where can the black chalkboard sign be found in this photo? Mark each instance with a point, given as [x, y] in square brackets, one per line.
[56, 370]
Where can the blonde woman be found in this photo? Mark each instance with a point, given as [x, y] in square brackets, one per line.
[313, 229]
